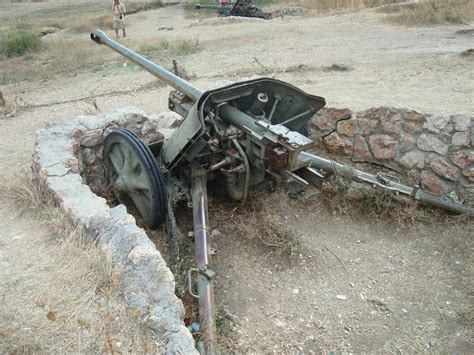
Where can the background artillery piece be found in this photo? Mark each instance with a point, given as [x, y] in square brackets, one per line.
[242, 8]
[238, 135]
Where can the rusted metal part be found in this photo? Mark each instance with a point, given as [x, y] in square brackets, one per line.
[277, 157]
[202, 253]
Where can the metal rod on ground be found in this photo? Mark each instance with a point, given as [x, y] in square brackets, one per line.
[386, 183]
[202, 248]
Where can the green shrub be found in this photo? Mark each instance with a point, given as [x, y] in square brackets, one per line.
[19, 41]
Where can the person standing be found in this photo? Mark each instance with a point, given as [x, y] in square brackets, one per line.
[118, 22]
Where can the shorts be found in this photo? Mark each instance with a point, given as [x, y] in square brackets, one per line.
[118, 24]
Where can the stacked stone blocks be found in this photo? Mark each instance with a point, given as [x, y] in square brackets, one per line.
[433, 151]
[67, 155]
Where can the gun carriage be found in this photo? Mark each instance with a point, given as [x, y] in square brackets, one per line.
[240, 135]
[242, 8]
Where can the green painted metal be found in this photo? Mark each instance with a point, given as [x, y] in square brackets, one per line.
[241, 8]
[239, 135]
[132, 170]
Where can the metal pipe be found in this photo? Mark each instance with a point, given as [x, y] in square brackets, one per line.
[275, 104]
[332, 166]
[174, 81]
[211, 7]
[247, 169]
[202, 248]
[234, 116]
[294, 118]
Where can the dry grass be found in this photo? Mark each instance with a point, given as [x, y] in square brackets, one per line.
[163, 48]
[64, 296]
[86, 24]
[430, 12]
[67, 14]
[324, 6]
[71, 51]
[71, 55]
[257, 222]
[343, 196]
[66, 56]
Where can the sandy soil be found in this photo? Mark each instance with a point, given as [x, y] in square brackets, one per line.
[404, 289]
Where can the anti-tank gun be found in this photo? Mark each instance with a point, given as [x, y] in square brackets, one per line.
[239, 135]
[241, 8]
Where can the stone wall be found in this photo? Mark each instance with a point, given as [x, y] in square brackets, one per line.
[432, 151]
[88, 160]
[64, 152]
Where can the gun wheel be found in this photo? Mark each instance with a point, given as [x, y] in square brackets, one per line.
[132, 170]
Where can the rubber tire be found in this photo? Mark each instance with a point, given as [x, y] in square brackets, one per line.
[147, 160]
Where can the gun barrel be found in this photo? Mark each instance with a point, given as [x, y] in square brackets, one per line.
[209, 7]
[171, 79]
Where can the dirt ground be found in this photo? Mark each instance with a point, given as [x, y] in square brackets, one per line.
[359, 284]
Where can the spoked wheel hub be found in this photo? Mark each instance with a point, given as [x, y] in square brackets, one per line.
[132, 170]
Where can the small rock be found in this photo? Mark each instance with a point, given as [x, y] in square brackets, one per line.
[337, 67]
[11, 114]
[445, 169]
[412, 127]
[338, 143]
[392, 125]
[361, 149]
[413, 177]
[412, 115]
[194, 327]
[91, 138]
[432, 183]
[436, 123]
[348, 127]
[461, 122]
[460, 139]
[216, 233]
[469, 173]
[406, 142]
[431, 143]
[296, 291]
[383, 147]
[88, 156]
[412, 159]
[462, 158]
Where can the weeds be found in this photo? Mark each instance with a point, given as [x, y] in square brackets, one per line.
[273, 234]
[343, 196]
[163, 47]
[465, 314]
[323, 6]
[70, 301]
[18, 41]
[89, 23]
[430, 12]
[257, 222]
